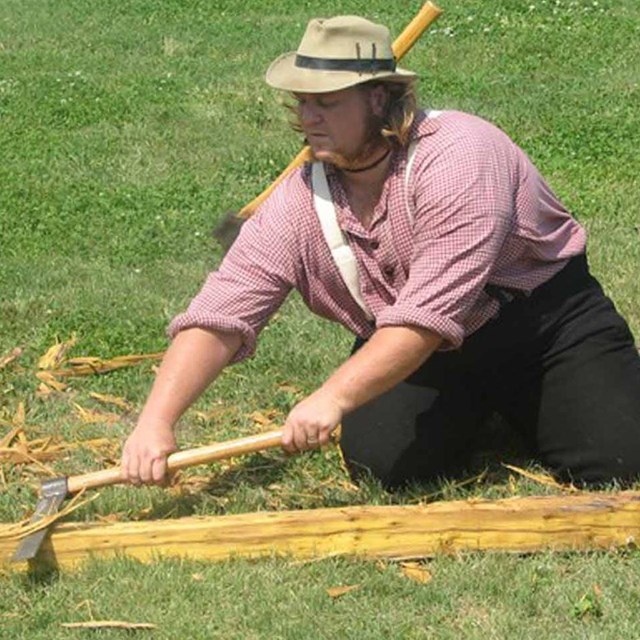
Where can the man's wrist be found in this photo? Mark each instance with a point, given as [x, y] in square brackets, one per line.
[333, 392]
[155, 424]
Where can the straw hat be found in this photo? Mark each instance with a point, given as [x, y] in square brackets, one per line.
[337, 53]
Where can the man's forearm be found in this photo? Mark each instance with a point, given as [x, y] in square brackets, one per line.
[193, 361]
[390, 355]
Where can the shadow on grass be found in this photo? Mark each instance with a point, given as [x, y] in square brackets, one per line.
[263, 482]
[39, 576]
[194, 494]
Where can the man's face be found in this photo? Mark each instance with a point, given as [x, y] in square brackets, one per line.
[338, 124]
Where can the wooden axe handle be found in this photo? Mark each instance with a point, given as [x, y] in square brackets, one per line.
[403, 43]
[428, 13]
[183, 459]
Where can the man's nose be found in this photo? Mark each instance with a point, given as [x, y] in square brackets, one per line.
[309, 114]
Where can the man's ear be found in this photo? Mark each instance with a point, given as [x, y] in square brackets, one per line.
[378, 99]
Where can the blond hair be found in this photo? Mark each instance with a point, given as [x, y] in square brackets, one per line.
[401, 112]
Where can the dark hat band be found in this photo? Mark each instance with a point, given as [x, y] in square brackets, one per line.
[345, 64]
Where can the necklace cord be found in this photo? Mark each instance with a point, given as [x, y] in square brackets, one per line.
[375, 163]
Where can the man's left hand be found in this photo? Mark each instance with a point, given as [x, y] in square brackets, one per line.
[310, 422]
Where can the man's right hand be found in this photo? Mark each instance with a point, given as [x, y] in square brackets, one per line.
[144, 456]
[193, 360]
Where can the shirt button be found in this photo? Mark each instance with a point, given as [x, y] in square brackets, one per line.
[374, 244]
[388, 271]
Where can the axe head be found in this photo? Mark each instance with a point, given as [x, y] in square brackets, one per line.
[52, 495]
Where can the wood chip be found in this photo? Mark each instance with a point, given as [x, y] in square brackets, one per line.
[336, 592]
[416, 571]
[116, 401]
[18, 456]
[43, 390]
[20, 415]
[544, 479]
[110, 517]
[89, 416]
[213, 414]
[108, 624]
[50, 381]
[10, 357]
[264, 419]
[89, 365]
[55, 354]
[8, 438]
[289, 388]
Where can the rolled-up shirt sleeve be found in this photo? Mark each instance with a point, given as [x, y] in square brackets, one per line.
[249, 286]
[463, 213]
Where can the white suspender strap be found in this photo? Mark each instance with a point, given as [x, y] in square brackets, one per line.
[411, 155]
[340, 250]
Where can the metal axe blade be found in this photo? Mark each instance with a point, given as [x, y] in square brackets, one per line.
[52, 495]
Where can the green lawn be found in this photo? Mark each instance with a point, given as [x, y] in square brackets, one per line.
[127, 130]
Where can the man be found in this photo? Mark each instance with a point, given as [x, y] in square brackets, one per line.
[433, 238]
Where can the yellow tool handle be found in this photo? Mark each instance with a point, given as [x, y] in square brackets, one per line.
[412, 32]
[403, 43]
[183, 459]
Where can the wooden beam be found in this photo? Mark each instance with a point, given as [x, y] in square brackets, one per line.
[585, 521]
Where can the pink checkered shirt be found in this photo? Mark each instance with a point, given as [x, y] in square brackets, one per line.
[482, 214]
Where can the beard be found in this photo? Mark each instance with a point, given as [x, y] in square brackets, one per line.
[373, 141]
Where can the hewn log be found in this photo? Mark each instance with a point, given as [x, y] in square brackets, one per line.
[584, 521]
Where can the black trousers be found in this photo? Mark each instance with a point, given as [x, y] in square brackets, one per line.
[560, 367]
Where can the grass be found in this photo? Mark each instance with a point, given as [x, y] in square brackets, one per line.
[487, 596]
[127, 130]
